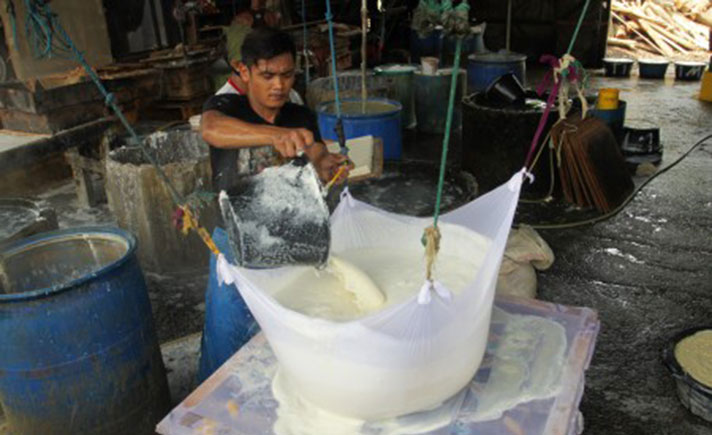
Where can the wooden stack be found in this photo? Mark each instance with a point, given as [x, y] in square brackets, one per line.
[185, 81]
[49, 104]
[135, 86]
[679, 29]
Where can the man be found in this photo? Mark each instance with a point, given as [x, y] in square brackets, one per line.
[247, 133]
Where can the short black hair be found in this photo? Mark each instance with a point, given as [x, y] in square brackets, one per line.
[266, 43]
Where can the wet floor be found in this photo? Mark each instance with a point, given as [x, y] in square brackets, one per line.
[646, 271]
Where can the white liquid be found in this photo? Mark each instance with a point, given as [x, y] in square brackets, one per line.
[398, 274]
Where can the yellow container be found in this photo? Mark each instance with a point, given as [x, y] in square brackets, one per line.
[706, 91]
[608, 99]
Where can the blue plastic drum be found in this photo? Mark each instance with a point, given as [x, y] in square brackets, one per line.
[78, 352]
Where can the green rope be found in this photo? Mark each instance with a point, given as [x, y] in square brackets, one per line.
[578, 27]
[448, 125]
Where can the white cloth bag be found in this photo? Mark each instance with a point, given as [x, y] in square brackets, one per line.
[404, 358]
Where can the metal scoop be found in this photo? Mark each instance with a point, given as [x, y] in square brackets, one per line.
[278, 218]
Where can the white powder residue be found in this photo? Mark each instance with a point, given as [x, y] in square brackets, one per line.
[290, 189]
[262, 237]
[617, 253]
[279, 218]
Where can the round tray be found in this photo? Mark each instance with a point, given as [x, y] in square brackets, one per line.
[696, 397]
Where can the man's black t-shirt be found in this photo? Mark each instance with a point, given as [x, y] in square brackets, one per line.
[229, 165]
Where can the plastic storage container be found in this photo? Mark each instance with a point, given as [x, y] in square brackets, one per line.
[381, 119]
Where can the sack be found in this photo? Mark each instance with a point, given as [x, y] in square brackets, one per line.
[525, 251]
[403, 358]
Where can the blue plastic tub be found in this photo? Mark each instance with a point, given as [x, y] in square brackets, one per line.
[228, 322]
[382, 119]
[652, 68]
[78, 352]
[484, 68]
[689, 71]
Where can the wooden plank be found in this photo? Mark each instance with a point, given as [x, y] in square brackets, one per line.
[83, 181]
[51, 122]
[17, 96]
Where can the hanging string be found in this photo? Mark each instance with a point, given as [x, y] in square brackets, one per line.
[557, 73]
[455, 22]
[329, 20]
[42, 24]
[578, 27]
[305, 42]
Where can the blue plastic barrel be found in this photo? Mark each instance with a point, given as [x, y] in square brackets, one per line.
[485, 68]
[228, 322]
[78, 352]
[382, 119]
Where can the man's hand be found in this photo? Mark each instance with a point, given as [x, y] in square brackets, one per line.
[289, 141]
[328, 164]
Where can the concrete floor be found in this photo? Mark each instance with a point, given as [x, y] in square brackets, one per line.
[646, 271]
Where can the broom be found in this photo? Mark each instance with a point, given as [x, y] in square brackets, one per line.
[591, 167]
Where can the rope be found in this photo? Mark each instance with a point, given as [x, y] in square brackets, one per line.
[304, 42]
[431, 237]
[448, 125]
[364, 19]
[560, 70]
[329, 20]
[578, 27]
[455, 23]
[49, 24]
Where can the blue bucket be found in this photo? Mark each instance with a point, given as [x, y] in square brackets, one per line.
[484, 68]
[385, 123]
[79, 352]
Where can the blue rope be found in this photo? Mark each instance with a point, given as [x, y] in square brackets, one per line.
[305, 43]
[329, 19]
[46, 22]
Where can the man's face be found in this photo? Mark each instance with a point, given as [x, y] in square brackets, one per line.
[269, 81]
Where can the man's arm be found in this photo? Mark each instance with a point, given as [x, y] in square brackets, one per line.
[222, 131]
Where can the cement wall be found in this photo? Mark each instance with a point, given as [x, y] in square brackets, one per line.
[142, 203]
